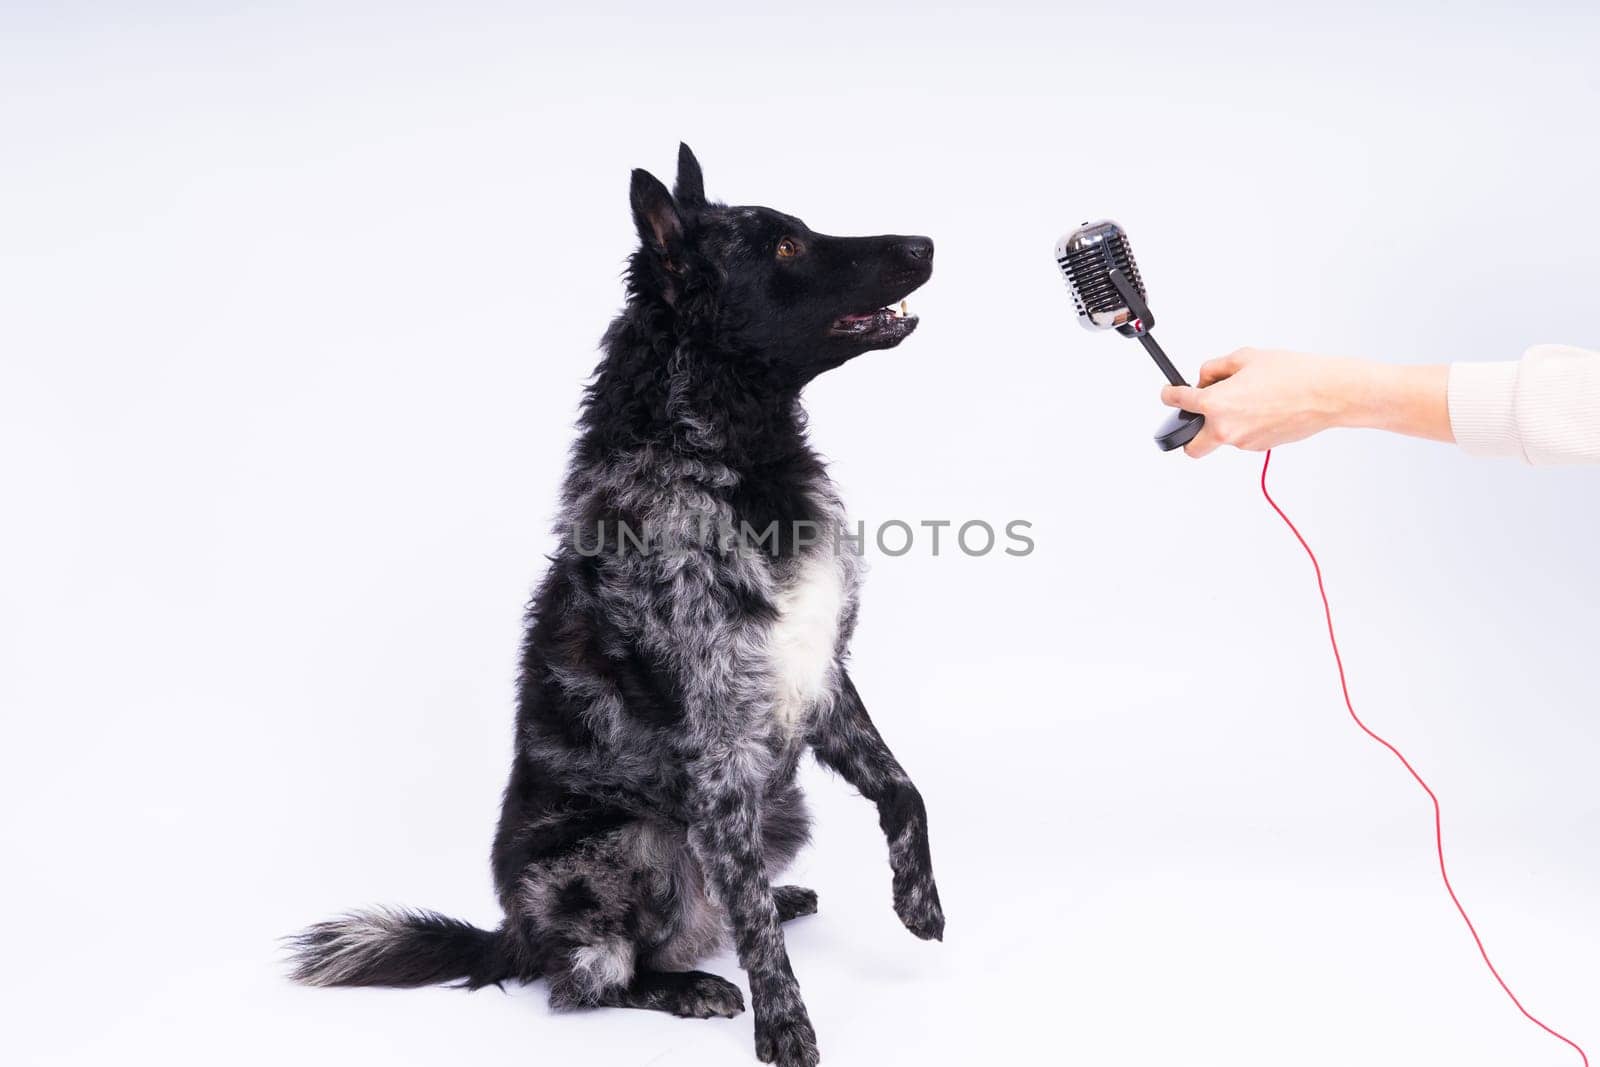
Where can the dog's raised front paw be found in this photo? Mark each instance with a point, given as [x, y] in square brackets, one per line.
[787, 1041]
[793, 901]
[917, 904]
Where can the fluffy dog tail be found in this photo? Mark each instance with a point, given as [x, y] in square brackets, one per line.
[396, 947]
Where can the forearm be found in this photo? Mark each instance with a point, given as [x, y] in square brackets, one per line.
[1405, 399]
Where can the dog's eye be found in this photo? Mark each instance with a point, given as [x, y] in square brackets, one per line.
[788, 248]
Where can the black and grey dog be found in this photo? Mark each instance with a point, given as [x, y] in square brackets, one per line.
[686, 647]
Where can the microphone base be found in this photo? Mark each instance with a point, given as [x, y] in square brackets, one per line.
[1179, 429]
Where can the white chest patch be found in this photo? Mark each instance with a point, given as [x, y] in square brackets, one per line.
[805, 636]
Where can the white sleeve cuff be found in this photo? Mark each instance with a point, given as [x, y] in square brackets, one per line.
[1483, 408]
[1544, 409]
[1558, 404]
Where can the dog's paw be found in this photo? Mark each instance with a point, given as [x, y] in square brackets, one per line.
[917, 904]
[706, 996]
[794, 901]
[787, 1041]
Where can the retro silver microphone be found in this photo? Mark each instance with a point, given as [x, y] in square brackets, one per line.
[1099, 267]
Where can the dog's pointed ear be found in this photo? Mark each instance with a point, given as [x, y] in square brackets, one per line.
[655, 214]
[690, 188]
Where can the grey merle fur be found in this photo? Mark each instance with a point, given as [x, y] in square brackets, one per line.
[667, 695]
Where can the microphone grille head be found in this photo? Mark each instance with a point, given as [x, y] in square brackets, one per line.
[1086, 257]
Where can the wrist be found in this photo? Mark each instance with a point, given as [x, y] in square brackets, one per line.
[1350, 393]
[1364, 393]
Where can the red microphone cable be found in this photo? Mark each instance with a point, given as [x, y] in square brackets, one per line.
[1438, 830]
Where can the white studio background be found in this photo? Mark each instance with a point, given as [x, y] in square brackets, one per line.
[295, 305]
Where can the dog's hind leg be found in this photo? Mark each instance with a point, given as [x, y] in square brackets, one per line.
[584, 906]
[596, 960]
[687, 994]
[794, 901]
[616, 927]
[590, 975]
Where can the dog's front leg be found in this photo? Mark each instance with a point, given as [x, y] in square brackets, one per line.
[847, 743]
[726, 837]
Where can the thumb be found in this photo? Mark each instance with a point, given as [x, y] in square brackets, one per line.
[1186, 397]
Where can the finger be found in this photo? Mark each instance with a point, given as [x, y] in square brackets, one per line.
[1215, 370]
[1205, 442]
[1186, 397]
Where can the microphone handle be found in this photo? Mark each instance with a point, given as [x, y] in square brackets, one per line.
[1160, 357]
[1181, 426]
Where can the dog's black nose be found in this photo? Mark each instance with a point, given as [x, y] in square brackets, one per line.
[917, 249]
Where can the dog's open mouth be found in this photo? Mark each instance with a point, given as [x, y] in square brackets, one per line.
[886, 323]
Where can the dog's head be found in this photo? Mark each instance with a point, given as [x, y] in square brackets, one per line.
[763, 285]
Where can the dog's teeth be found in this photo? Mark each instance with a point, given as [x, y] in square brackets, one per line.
[903, 311]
